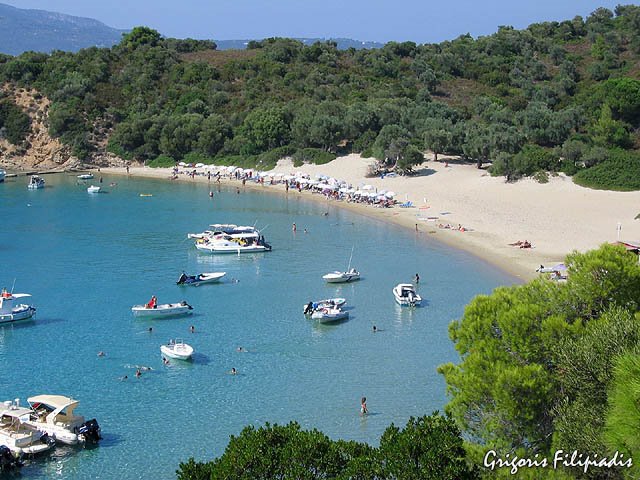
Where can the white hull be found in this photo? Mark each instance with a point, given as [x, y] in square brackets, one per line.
[85, 176]
[341, 277]
[21, 312]
[178, 351]
[35, 183]
[93, 189]
[204, 278]
[326, 303]
[406, 295]
[232, 248]
[164, 310]
[330, 315]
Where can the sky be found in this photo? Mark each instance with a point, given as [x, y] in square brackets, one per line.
[421, 21]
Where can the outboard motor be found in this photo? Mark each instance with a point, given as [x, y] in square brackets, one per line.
[46, 439]
[90, 431]
[8, 460]
[308, 309]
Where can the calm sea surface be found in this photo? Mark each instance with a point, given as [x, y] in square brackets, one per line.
[86, 259]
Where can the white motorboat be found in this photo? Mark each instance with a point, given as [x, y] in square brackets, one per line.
[10, 312]
[310, 307]
[227, 244]
[177, 349]
[342, 277]
[35, 182]
[53, 414]
[200, 278]
[19, 437]
[163, 310]
[329, 314]
[85, 176]
[93, 189]
[405, 294]
[3, 173]
[234, 231]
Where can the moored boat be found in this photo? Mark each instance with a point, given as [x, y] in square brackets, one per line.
[329, 314]
[85, 176]
[227, 244]
[93, 189]
[342, 277]
[406, 295]
[200, 278]
[10, 312]
[177, 349]
[19, 437]
[162, 310]
[53, 414]
[3, 173]
[35, 182]
[310, 307]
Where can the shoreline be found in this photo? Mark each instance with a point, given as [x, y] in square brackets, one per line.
[557, 217]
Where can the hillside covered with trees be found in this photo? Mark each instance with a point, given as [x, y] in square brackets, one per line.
[557, 96]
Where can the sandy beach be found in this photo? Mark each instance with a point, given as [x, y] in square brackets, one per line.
[556, 217]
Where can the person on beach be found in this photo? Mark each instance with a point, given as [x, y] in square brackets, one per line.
[363, 406]
[127, 169]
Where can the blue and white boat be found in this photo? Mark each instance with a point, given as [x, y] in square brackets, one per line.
[35, 182]
[10, 312]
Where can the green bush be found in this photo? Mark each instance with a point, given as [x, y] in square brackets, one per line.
[312, 155]
[14, 121]
[620, 172]
[162, 161]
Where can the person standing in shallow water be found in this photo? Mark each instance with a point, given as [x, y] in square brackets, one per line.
[416, 279]
[363, 406]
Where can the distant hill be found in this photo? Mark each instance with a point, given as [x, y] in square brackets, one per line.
[41, 31]
[22, 30]
[343, 43]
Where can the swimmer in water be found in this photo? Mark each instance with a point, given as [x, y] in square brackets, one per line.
[233, 371]
[101, 353]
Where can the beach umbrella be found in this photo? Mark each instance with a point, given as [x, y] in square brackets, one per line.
[367, 187]
[358, 192]
[390, 194]
[199, 165]
[344, 190]
[182, 164]
[231, 169]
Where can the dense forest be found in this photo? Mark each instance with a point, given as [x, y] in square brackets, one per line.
[557, 96]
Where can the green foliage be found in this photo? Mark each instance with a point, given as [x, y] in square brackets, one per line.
[513, 379]
[14, 123]
[620, 171]
[312, 155]
[427, 448]
[622, 429]
[162, 161]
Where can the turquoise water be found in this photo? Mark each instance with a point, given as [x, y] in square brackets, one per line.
[88, 258]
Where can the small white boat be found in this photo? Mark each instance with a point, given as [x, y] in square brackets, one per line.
[177, 349]
[226, 244]
[329, 314]
[93, 189]
[19, 437]
[53, 414]
[310, 307]
[86, 176]
[3, 173]
[35, 182]
[342, 277]
[163, 310]
[10, 312]
[200, 279]
[406, 295]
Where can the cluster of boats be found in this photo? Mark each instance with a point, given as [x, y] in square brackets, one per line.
[230, 238]
[49, 419]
